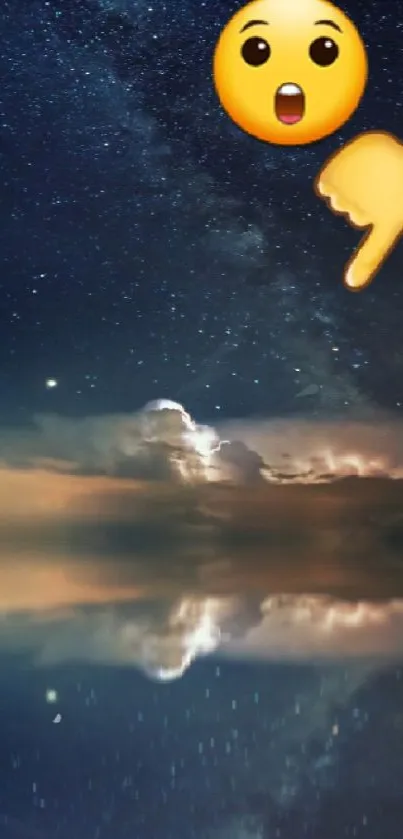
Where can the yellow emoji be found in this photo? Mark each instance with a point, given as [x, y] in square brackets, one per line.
[290, 72]
[364, 182]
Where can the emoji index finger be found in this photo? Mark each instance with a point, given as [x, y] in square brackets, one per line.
[364, 182]
[370, 256]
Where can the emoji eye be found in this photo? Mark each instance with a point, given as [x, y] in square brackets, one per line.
[255, 51]
[324, 52]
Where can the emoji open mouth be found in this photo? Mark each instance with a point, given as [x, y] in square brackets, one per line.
[289, 103]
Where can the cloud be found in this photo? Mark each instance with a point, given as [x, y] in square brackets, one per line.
[245, 465]
[295, 627]
[159, 472]
[150, 540]
[159, 637]
[163, 443]
[371, 444]
[163, 637]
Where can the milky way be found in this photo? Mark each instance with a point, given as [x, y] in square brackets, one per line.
[150, 250]
[166, 253]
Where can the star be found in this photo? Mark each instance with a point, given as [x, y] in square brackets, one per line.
[51, 696]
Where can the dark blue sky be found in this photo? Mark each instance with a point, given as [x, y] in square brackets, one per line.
[150, 249]
[228, 750]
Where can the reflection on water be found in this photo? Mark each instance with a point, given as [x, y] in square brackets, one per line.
[220, 655]
[158, 576]
[163, 637]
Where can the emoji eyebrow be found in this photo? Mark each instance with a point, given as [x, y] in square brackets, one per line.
[254, 23]
[328, 23]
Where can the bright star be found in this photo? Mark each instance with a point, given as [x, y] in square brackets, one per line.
[51, 696]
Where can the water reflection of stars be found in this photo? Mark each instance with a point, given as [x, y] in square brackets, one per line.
[51, 696]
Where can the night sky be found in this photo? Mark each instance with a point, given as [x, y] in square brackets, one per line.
[199, 759]
[150, 249]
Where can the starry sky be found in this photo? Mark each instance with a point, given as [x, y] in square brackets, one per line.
[143, 770]
[151, 249]
[140, 769]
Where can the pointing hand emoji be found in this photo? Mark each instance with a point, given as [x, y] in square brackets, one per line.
[364, 181]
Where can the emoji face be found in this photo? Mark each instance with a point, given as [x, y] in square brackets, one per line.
[290, 71]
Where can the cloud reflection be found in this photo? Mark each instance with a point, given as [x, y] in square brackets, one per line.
[150, 540]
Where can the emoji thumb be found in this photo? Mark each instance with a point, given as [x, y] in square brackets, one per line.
[370, 255]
